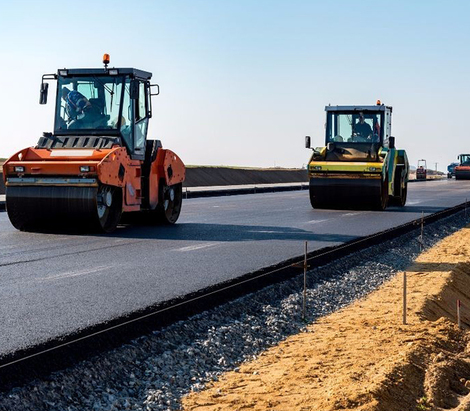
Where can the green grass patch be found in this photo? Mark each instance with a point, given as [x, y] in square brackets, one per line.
[423, 404]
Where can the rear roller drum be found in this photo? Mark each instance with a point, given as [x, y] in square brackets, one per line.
[171, 199]
[166, 212]
[403, 195]
[108, 207]
[382, 201]
[400, 188]
[400, 200]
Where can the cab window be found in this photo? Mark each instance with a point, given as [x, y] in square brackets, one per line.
[141, 120]
[126, 120]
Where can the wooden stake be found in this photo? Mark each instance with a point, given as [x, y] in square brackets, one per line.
[304, 302]
[404, 297]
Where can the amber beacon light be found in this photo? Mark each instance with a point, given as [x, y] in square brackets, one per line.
[105, 59]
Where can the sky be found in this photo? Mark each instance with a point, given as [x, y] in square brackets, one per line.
[242, 82]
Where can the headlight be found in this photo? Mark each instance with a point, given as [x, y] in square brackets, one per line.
[84, 169]
[19, 169]
[372, 169]
[316, 168]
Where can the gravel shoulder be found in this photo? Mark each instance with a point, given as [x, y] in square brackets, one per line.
[362, 357]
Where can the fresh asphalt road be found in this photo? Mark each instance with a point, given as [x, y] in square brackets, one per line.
[52, 285]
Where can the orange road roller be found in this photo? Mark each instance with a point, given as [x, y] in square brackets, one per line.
[98, 166]
[462, 170]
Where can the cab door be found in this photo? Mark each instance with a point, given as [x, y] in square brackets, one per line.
[141, 120]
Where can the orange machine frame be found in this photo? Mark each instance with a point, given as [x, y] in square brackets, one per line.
[110, 166]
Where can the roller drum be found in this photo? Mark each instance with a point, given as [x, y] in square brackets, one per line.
[462, 175]
[59, 208]
[346, 193]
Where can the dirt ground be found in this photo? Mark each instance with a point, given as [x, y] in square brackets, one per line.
[363, 357]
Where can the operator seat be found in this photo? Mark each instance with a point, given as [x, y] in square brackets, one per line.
[100, 118]
[98, 104]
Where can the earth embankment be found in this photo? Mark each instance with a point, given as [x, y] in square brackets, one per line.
[203, 176]
[220, 176]
[363, 357]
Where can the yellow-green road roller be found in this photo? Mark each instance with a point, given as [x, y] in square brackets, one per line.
[359, 166]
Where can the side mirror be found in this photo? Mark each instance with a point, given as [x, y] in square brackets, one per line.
[134, 89]
[307, 142]
[156, 90]
[43, 93]
[391, 142]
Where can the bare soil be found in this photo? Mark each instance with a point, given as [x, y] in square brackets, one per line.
[363, 357]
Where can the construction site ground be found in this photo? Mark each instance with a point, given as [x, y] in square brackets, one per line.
[363, 357]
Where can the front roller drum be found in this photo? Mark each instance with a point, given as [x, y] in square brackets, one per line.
[64, 208]
[346, 194]
[462, 175]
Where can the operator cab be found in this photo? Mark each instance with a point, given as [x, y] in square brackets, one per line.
[97, 108]
[464, 159]
[357, 133]
[354, 124]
